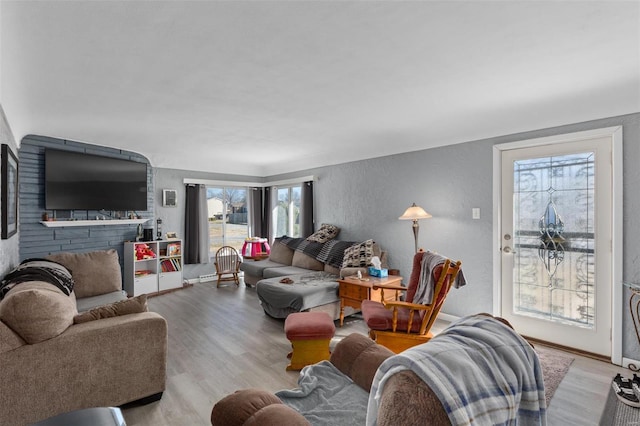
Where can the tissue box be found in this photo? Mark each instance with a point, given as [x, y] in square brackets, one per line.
[378, 272]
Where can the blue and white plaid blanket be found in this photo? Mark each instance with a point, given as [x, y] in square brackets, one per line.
[482, 371]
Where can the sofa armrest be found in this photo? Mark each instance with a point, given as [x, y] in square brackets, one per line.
[405, 396]
[254, 407]
[107, 362]
[359, 357]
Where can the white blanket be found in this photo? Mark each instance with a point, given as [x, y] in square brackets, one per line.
[326, 397]
[482, 371]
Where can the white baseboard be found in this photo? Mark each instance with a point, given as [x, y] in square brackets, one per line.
[207, 277]
[627, 362]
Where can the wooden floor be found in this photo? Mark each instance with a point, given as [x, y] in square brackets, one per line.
[220, 341]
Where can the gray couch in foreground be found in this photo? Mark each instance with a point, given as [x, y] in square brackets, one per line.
[55, 360]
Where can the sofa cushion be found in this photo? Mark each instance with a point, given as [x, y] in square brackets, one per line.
[378, 317]
[331, 269]
[302, 260]
[135, 305]
[9, 339]
[257, 267]
[37, 311]
[94, 273]
[325, 233]
[281, 253]
[358, 254]
[284, 271]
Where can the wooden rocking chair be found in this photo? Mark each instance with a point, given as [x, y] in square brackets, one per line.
[399, 325]
[227, 264]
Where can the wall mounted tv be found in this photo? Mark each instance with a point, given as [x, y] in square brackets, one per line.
[79, 181]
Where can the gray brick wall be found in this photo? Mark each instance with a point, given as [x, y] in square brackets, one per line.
[36, 240]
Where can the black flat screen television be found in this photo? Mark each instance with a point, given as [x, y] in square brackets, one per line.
[79, 181]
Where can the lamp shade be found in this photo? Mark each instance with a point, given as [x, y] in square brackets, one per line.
[414, 213]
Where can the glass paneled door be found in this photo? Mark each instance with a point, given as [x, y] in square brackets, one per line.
[556, 233]
[228, 217]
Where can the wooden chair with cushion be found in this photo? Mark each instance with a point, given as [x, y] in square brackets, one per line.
[227, 264]
[399, 325]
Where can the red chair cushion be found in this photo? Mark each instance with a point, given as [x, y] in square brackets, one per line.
[309, 326]
[380, 318]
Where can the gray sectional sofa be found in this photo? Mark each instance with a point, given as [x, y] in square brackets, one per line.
[284, 261]
[310, 285]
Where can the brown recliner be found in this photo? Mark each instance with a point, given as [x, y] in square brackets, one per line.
[406, 400]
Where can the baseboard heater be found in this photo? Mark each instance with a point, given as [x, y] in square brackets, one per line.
[207, 277]
[211, 277]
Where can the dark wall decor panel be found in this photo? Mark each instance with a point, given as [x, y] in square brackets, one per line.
[37, 240]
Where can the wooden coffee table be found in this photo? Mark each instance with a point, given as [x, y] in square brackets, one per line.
[354, 290]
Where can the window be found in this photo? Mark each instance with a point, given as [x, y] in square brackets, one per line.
[228, 217]
[286, 213]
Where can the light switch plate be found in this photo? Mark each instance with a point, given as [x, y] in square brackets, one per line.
[475, 213]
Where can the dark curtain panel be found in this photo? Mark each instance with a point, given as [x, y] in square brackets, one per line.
[256, 212]
[306, 209]
[196, 247]
[266, 214]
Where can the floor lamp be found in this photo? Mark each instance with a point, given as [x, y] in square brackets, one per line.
[415, 213]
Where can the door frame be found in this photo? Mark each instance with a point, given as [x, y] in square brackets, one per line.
[615, 135]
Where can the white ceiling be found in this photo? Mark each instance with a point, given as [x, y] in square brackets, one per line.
[262, 87]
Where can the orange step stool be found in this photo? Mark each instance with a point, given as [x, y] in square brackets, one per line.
[310, 334]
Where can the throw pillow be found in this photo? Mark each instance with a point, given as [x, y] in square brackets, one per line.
[135, 305]
[94, 273]
[37, 311]
[358, 255]
[325, 233]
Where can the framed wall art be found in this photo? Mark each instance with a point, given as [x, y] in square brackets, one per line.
[169, 198]
[9, 174]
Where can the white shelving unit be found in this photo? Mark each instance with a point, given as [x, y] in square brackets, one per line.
[159, 271]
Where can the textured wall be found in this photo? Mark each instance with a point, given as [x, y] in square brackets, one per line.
[9, 249]
[37, 240]
[366, 198]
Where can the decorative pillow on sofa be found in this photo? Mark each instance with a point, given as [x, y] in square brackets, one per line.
[325, 233]
[135, 305]
[94, 273]
[37, 311]
[358, 254]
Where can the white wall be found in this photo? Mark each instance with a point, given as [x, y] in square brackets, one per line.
[365, 198]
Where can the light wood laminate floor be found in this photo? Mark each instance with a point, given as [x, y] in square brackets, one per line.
[220, 341]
